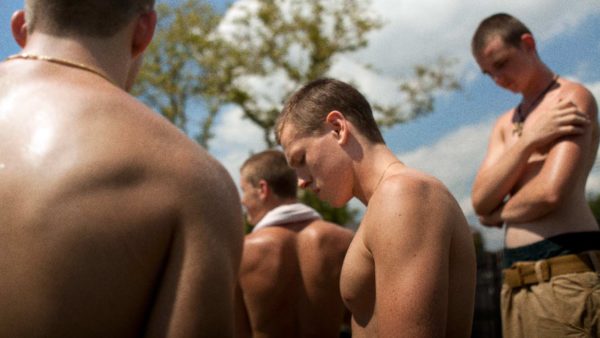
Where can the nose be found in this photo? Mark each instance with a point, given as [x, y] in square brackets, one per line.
[499, 79]
[303, 183]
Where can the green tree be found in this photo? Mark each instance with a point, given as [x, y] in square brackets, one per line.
[177, 67]
[288, 43]
[200, 59]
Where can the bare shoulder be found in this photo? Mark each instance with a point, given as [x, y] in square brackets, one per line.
[265, 253]
[322, 228]
[581, 96]
[504, 121]
[412, 204]
[326, 235]
[410, 185]
[136, 132]
[261, 243]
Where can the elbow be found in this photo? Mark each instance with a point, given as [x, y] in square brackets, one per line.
[552, 199]
[479, 210]
[480, 207]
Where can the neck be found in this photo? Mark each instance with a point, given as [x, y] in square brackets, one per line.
[275, 202]
[371, 169]
[102, 55]
[539, 81]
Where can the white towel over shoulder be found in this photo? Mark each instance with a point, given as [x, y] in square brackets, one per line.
[287, 213]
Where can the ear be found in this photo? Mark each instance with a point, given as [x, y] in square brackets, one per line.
[528, 42]
[264, 190]
[338, 125]
[18, 27]
[143, 32]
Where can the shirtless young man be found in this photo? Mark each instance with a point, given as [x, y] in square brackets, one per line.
[533, 180]
[113, 223]
[410, 270]
[290, 272]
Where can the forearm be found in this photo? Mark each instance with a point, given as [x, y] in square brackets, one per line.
[526, 206]
[550, 187]
[494, 182]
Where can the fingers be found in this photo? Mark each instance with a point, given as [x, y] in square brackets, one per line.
[567, 113]
[486, 221]
[564, 119]
[571, 130]
[564, 104]
[574, 118]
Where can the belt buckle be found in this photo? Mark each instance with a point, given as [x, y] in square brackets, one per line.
[542, 270]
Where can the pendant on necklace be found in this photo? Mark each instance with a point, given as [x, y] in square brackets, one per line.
[517, 128]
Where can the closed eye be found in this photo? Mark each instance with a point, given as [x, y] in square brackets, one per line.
[295, 162]
[500, 63]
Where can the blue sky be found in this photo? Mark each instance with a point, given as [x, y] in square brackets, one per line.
[449, 143]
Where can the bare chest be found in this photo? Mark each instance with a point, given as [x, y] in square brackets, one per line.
[535, 161]
[357, 284]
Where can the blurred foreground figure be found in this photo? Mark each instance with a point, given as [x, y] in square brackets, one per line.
[112, 222]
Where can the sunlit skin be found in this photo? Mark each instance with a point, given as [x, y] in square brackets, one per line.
[289, 276]
[544, 171]
[410, 270]
[113, 223]
[251, 201]
[503, 64]
[314, 172]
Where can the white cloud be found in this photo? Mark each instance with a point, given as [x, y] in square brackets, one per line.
[235, 140]
[421, 31]
[418, 32]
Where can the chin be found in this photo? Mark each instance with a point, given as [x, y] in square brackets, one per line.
[337, 203]
[513, 88]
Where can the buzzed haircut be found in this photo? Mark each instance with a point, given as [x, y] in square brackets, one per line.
[93, 18]
[509, 28]
[308, 107]
[271, 166]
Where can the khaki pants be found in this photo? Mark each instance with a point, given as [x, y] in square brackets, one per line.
[565, 306]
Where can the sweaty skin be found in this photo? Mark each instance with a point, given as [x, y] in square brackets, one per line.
[544, 171]
[410, 265]
[112, 222]
[290, 279]
[410, 270]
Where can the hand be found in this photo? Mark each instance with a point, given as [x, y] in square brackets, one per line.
[564, 119]
[492, 220]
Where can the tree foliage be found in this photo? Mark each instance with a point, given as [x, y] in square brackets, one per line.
[178, 67]
[201, 61]
[202, 57]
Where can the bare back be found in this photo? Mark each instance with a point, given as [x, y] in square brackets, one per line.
[102, 202]
[290, 279]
